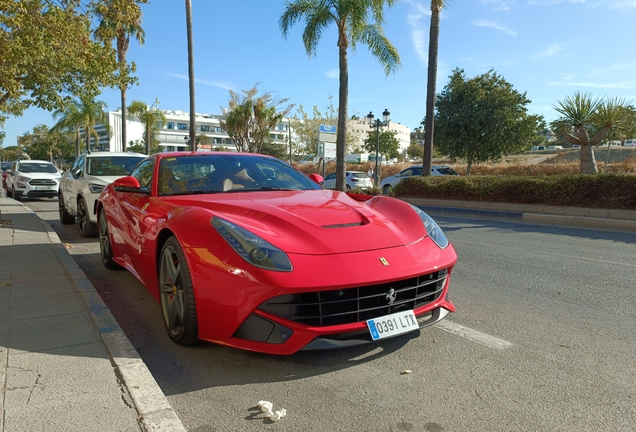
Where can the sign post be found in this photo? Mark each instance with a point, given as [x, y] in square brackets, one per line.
[326, 143]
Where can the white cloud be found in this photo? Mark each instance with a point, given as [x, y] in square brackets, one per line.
[419, 29]
[498, 5]
[601, 85]
[333, 73]
[551, 51]
[219, 84]
[494, 25]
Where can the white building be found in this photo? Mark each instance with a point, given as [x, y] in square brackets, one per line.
[361, 127]
[175, 133]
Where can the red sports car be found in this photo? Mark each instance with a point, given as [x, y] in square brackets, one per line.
[246, 251]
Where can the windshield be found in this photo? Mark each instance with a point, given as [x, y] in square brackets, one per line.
[447, 171]
[112, 165]
[213, 173]
[36, 167]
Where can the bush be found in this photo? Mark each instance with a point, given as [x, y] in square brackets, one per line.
[616, 191]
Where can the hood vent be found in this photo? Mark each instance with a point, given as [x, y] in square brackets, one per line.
[343, 225]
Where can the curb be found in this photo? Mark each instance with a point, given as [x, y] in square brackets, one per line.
[619, 220]
[156, 413]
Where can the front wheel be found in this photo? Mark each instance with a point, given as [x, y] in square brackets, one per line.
[65, 217]
[105, 247]
[177, 295]
[87, 229]
[386, 190]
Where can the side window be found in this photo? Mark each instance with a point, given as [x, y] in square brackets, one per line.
[331, 176]
[78, 164]
[407, 172]
[417, 171]
[143, 174]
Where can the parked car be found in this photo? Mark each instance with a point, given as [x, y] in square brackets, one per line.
[388, 183]
[4, 166]
[243, 250]
[84, 181]
[32, 179]
[353, 179]
[555, 147]
[537, 148]
[576, 146]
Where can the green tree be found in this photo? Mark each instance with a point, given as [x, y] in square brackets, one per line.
[10, 153]
[306, 128]
[121, 20]
[152, 119]
[433, 48]
[251, 118]
[47, 144]
[415, 151]
[389, 145]
[582, 114]
[351, 18]
[47, 55]
[139, 146]
[482, 118]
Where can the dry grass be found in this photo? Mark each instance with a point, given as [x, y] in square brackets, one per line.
[622, 161]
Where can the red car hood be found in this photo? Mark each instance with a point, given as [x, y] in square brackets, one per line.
[316, 222]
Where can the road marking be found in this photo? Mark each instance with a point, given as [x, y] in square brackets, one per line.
[473, 335]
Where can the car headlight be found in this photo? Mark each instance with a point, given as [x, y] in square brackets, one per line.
[23, 179]
[432, 229]
[95, 188]
[251, 247]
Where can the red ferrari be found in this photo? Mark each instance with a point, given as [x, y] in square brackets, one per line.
[246, 251]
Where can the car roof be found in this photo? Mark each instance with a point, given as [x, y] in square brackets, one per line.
[35, 160]
[107, 153]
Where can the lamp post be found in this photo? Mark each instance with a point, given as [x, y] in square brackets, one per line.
[378, 124]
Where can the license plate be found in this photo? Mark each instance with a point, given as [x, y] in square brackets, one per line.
[391, 325]
[43, 187]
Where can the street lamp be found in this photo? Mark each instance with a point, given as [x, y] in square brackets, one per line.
[378, 124]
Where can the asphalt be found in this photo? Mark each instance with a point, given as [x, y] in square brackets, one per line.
[66, 365]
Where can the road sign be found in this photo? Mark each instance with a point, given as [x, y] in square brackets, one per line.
[327, 137]
[327, 129]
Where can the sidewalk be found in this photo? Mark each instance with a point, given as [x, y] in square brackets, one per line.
[65, 364]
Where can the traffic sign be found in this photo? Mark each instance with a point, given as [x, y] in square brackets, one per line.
[327, 129]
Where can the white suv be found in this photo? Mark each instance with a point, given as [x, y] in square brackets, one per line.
[81, 185]
[32, 179]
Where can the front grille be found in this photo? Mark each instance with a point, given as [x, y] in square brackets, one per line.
[350, 305]
[42, 182]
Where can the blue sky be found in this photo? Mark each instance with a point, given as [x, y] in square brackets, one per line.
[546, 48]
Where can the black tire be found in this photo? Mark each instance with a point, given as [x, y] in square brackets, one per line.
[178, 305]
[9, 192]
[386, 190]
[347, 187]
[65, 217]
[105, 247]
[87, 229]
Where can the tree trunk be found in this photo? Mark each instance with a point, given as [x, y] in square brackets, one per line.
[433, 45]
[588, 161]
[123, 119]
[193, 129]
[469, 164]
[77, 141]
[343, 101]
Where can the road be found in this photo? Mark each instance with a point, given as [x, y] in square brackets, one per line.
[543, 339]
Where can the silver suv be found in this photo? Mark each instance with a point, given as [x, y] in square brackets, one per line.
[32, 179]
[81, 185]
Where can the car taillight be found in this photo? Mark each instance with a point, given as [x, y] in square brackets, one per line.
[354, 180]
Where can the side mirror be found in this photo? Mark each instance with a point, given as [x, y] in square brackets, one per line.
[127, 184]
[317, 178]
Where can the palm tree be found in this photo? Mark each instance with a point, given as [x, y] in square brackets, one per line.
[433, 45]
[121, 20]
[581, 114]
[152, 119]
[68, 118]
[83, 112]
[352, 21]
[193, 129]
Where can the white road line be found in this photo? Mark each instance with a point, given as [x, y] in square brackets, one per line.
[473, 335]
